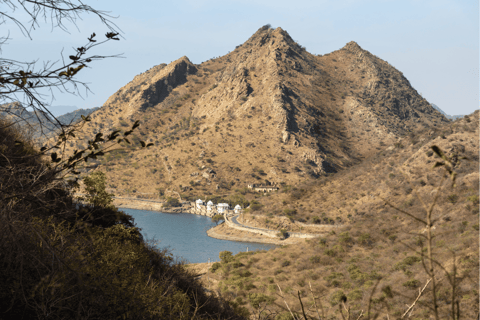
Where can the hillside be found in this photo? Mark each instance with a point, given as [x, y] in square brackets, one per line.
[375, 253]
[64, 259]
[268, 112]
[348, 142]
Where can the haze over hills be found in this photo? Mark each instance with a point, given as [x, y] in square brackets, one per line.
[446, 115]
[41, 124]
[267, 112]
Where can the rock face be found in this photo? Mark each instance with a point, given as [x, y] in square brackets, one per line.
[145, 91]
[267, 110]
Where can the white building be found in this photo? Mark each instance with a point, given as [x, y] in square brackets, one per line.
[199, 203]
[238, 209]
[222, 207]
[209, 205]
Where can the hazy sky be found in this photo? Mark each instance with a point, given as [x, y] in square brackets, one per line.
[434, 43]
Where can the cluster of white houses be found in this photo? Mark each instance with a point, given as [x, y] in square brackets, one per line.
[221, 207]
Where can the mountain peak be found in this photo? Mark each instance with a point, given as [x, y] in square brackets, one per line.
[268, 36]
[352, 46]
[268, 105]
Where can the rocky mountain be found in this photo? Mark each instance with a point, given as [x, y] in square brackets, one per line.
[268, 112]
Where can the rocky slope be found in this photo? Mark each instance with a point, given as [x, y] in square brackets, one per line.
[372, 246]
[267, 112]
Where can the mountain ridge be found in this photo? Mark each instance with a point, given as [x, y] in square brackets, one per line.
[40, 124]
[268, 105]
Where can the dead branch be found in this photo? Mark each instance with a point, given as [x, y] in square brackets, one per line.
[418, 297]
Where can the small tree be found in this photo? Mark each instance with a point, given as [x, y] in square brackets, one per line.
[217, 218]
[96, 193]
[172, 202]
[225, 256]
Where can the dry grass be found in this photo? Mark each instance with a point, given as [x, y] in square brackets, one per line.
[377, 242]
[229, 111]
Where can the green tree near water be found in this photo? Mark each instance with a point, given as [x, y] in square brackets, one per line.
[217, 218]
[96, 192]
[172, 202]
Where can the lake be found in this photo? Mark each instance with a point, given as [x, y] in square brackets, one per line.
[185, 235]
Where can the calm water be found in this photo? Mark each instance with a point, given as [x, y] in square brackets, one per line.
[186, 235]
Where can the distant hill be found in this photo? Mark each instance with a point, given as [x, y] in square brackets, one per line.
[61, 109]
[446, 115]
[40, 124]
[74, 116]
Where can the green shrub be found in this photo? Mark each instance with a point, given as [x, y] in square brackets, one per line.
[365, 239]
[345, 238]
[249, 287]
[225, 256]
[322, 242]
[257, 299]
[405, 263]
[392, 237]
[172, 202]
[285, 263]
[355, 295]
[337, 297]
[215, 266]
[356, 274]
[315, 259]
[330, 252]
[289, 212]
[284, 316]
[412, 284]
[453, 198]
[474, 200]
[283, 234]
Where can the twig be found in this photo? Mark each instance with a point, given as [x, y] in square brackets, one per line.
[371, 295]
[301, 304]
[419, 295]
[347, 310]
[361, 315]
[315, 302]
[281, 295]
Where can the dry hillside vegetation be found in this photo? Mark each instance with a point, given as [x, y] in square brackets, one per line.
[60, 259]
[348, 142]
[375, 255]
[267, 112]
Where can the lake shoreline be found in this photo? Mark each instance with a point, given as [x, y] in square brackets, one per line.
[140, 204]
[223, 232]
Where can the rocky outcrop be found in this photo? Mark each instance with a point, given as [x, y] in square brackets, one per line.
[266, 100]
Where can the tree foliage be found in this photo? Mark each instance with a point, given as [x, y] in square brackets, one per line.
[33, 84]
[172, 202]
[96, 192]
[217, 218]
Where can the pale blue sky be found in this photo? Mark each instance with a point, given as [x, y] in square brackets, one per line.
[434, 43]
